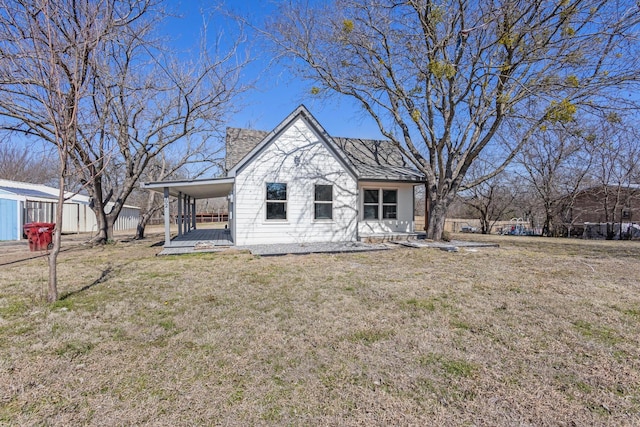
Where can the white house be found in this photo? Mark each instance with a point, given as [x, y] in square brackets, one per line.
[22, 202]
[297, 184]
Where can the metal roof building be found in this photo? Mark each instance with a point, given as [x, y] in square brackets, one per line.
[21, 203]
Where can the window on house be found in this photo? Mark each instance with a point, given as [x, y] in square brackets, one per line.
[389, 204]
[276, 200]
[370, 208]
[380, 203]
[626, 213]
[323, 202]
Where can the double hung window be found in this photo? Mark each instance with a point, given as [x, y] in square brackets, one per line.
[276, 200]
[389, 204]
[371, 204]
[323, 202]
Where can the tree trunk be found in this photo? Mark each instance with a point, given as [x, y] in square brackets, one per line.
[610, 231]
[105, 227]
[546, 226]
[142, 224]
[149, 210]
[426, 206]
[52, 291]
[485, 226]
[437, 217]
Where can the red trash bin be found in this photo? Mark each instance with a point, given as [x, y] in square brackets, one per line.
[39, 235]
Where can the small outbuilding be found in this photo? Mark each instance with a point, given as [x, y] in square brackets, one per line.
[22, 202]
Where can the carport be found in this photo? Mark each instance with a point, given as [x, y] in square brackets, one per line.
[187, 192]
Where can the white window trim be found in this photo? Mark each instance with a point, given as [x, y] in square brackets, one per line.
[285, 202]
[322, 202]
[371, 204]
[380, 204]
[383, 204]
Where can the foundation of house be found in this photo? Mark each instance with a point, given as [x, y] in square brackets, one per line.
[390, 237]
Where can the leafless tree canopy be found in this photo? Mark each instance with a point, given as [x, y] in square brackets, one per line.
[92, 78]
[137, 98]
[28, 164]
[47, 54]
[442, 79]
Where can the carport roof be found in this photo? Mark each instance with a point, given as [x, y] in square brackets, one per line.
[196, 188]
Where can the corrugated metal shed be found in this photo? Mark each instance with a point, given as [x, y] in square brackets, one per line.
[22, 202]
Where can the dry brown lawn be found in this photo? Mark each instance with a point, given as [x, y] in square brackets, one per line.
[536, 332]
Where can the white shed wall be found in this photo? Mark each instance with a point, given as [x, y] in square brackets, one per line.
[299, 158]
[80, 218]
[404, 222]
[128, 219]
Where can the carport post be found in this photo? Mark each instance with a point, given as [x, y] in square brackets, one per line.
[193, 216]
[180, 214]
[167, 219]
[187, 216]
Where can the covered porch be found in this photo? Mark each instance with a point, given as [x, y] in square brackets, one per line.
[187, 192]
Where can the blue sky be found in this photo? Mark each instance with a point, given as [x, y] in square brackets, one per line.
[276, 93]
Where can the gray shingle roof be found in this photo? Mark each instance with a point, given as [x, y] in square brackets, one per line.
[371, 159]
[238, 143]
[377, 160]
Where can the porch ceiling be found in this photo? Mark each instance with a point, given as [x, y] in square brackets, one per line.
[196, 188]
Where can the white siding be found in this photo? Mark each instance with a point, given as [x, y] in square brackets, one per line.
[299, 158]
[80, 218]
[404, 222]
[128, 219]
[70, 218]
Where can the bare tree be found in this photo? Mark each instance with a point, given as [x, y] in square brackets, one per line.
[492, 199]
[26, 164]
[441, 80]
[46, 55]
[556, 162]
[144, 100]
[615, 151]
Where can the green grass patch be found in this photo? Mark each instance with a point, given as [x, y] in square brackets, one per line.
[370, 336]
[458, 368]
[66, 303]
[167, 324]
[634, 313]
[73, 349]
[14, 308]
[449, 366]
[602, 334]
[421, 304]
[460, 324]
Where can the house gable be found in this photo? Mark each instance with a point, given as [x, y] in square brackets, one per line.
[249, 137]
[367, 159]
[297, 158]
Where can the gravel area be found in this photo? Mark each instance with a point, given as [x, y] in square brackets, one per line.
[309, 248]
[337, 247]
[452, 245]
